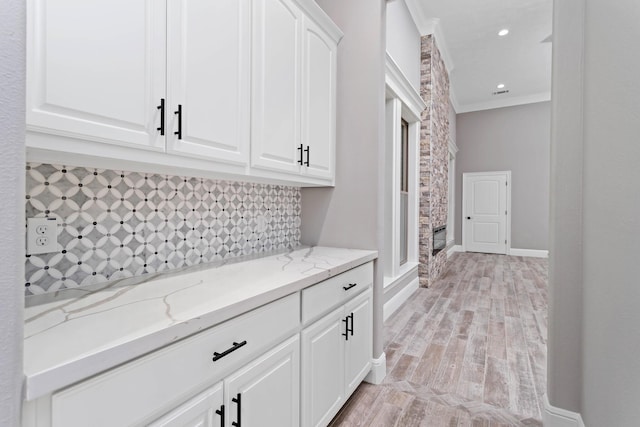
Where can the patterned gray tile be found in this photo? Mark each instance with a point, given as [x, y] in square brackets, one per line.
[116, 224]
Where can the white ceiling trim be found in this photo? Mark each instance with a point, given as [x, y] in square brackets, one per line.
[505, 102]
[399, 86]
[428, 26]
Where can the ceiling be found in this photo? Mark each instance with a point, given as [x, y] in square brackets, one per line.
[477, 59]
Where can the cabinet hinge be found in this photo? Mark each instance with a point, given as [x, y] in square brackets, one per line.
[505, 242]
[506, 183]
[505, 212]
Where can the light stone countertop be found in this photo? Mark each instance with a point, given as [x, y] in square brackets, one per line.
[71, 335]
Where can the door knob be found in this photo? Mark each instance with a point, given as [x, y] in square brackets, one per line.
[468, 217]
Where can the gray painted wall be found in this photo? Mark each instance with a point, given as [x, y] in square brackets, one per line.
[605, 249]
[350, 215]
[403, 41]
[611, 270]
[516, 139]
[12, 95]
[564, 341]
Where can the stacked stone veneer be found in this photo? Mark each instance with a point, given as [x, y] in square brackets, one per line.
[434, 153]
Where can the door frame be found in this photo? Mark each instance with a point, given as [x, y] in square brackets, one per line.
[465, 192]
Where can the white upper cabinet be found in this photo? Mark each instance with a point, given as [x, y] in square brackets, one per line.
[276, 85]
[318, 101]
[231, 89]
[96, 70]
[209, 78]
[293, 89]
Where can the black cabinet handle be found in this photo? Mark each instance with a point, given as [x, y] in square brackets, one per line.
[301, 149]
[351, 329]
[179, 113]
[346, 328]
[237, 400]
[221, 413]
[161, 108]
[236, 345]
[307, 151]
[468, 217]
[351, 285]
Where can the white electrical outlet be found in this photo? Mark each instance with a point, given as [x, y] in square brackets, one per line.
[42, 235]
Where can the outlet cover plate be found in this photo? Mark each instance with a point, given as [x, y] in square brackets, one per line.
[42, 236]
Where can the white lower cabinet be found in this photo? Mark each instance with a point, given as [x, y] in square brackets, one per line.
[264, 393]
[292, 362]
[204, 410]
[336, 356]
[267, 391]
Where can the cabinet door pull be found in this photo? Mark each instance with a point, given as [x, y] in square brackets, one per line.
[301, 149]
[346, 328]
[161, 108]
[236, 345]
[307, 151]
[221, 413]
[351, 329]
[351, 285]
[237, 400]
[179, 113]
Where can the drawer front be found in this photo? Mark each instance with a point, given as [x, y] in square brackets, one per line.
[321, 298]
[151, 385]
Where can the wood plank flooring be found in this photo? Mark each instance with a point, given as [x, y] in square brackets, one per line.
[469, 351]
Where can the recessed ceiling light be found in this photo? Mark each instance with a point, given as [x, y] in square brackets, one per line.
[501, 86]
[503, 32]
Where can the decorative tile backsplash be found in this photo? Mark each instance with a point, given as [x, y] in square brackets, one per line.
[115, 224]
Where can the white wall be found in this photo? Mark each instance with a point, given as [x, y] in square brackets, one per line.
[516, 139]
[351, 214]
[12, 80]
[403, 41]
[607, 389]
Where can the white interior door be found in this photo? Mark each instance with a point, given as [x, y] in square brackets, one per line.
[485, 222]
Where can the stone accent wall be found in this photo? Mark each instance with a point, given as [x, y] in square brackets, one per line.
[434, 153]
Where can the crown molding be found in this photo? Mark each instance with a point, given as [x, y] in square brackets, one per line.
[398, 84]
[505, 102]
[431, 26]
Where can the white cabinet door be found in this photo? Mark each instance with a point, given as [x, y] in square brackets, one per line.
[359, 348]
[323, 380]
[267, 391]
[209, 78]
[275, 100]
[96, 70]
[204, 410]
[318, 101]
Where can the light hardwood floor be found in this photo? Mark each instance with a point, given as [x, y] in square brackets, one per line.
[469, 351]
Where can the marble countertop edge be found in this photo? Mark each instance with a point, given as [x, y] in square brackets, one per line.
[41, 382]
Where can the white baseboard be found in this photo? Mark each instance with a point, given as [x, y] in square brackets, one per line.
[535, 253]
[558, 417]
[398, 299]
[378, 370]
[453, 249]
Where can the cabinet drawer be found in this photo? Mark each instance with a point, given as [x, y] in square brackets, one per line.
[146, 387]
[320, 298]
